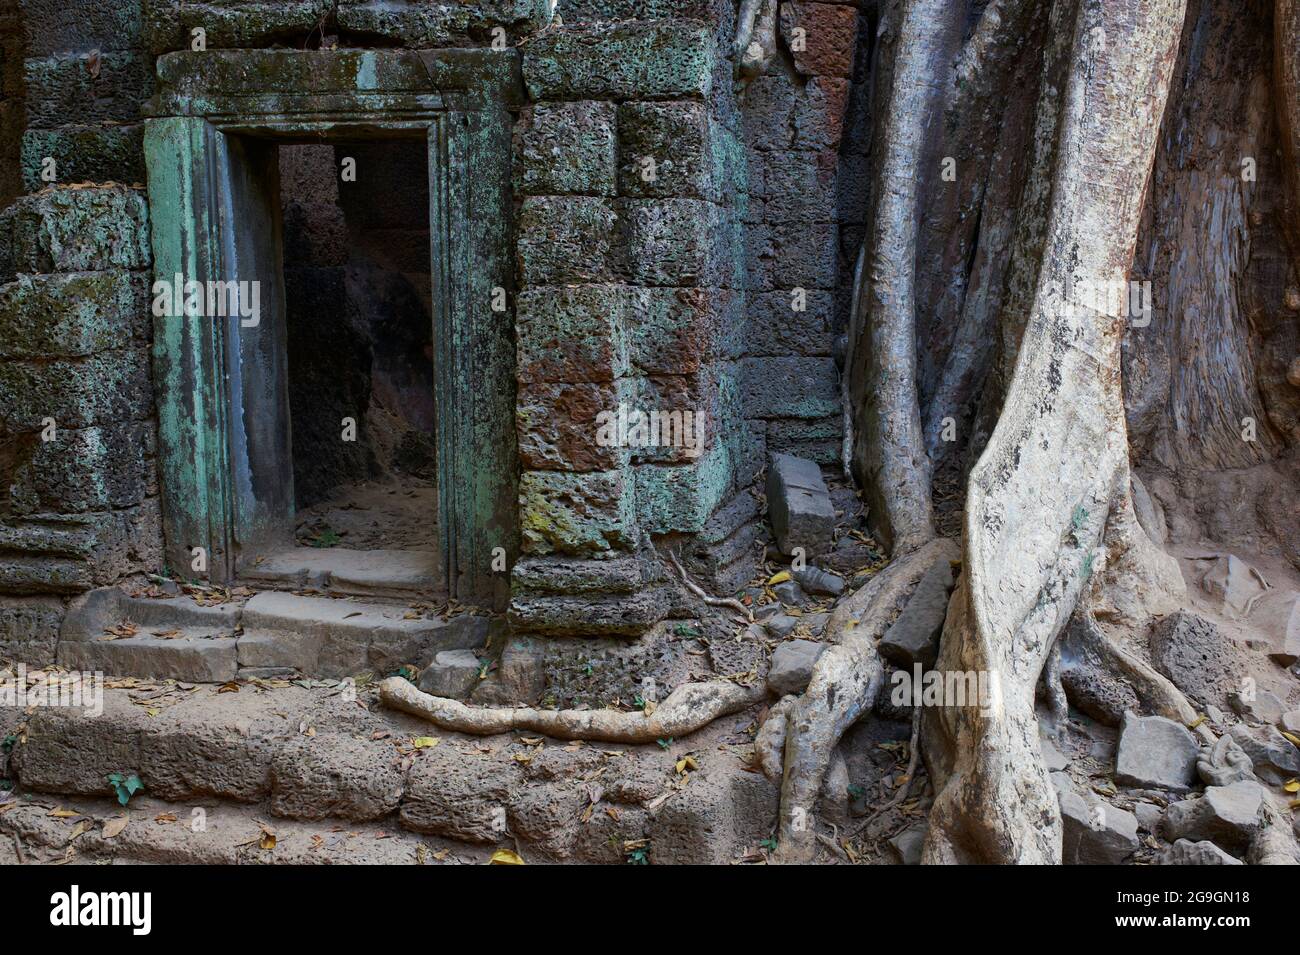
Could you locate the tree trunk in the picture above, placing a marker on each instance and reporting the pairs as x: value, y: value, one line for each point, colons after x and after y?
x: 1040, y: 493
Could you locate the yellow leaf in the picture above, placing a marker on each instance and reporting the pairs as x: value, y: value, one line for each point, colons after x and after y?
x: 113, y: 827
x: 426, y: 742
x: 778, y: 578
x: 64, y: 814
x: 1292, y: 786
x: 1292, y: 737
x: 505, y: 857
x: 686, y: 763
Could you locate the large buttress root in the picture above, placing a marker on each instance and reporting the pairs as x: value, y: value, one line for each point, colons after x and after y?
x: 1040, y: 493
x: 688, y: 708
x: 889, y: 456
x: 843, y: 687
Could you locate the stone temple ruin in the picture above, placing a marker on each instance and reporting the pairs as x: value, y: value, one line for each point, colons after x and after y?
x: 433, y: 419
x: 325, y: 300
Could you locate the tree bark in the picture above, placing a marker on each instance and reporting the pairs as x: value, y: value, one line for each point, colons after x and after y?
x: 1040, y: 493
x: 889, y: 458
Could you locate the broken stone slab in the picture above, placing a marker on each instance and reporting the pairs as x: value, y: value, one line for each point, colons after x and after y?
x: 1259, y: 706
x: 1053, y: 758
x: 188, y: 659
x: 1226, y: 815
x: 1291, y: 722
x: 914, y: 637
x: 1278, y: 617
x: 1155, y: 753
x: 1186, y: 852
x: 790, y: 594
x: 1195, y: 655
x: 520, y: 676
x: 792, y: 666
x: 1096, y: 833
x: 1148, y: 816
x: 799, y: 505
x: 452, y: 674
x: 1236, y: 583
x: 907, y: 845
x: 1274, y: 757
x: 814, y: 580
x: 779, y: 625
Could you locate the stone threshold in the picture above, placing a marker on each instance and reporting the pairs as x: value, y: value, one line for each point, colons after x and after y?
x: 274, y: 634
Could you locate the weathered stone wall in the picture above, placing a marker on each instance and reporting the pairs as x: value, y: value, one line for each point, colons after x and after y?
x: 78, y: 505
x: 670, y: 223
x: 635, y: 190
x: 84, y: 79
x: 807, y: 208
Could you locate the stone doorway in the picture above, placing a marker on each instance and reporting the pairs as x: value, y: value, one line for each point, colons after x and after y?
x: 252, y: 402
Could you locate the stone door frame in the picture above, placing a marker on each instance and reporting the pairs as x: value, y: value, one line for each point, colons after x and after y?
x: 224, y: 458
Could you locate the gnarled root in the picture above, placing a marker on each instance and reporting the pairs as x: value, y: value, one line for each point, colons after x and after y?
x: 1273, y: 844
x: 687, y: 709
x: 755, y: 41
x: 844, y: 685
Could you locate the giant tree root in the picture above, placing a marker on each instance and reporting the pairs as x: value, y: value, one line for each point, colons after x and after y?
x: 1040, y: 493
x: 688, y: 708
x: 844, y: 685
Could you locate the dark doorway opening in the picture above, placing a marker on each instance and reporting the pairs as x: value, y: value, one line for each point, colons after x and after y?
x: 359, y: 344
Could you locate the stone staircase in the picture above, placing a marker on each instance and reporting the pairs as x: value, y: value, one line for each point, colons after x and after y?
x: 339, y: 778
x: 268, y: 635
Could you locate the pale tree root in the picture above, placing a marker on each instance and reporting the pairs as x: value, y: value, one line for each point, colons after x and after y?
x: 730, y: 602
x: 1273, y: 844
x: 1087, y: 640
x: 843, y: 687
x: 688, y: 708
x: 1040, y: 493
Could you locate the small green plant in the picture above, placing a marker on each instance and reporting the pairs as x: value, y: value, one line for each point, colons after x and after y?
x: 1078, y: 517
x: 1087, y: 565
x: 685, y: 630
x: 8, y: 743
x: 125, y: 786
x: 639, y: 856
x: 326, y: 538
x: 665, y: 743
x: 768, y: 844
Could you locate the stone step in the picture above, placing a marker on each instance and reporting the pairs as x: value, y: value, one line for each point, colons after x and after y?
x: 188, y: 656
x: 175, y: 637
x: 364, y: 573
x: 160, y: 833
x: 272, y: 635
x: 325, y: 755
x: 331, y: 638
